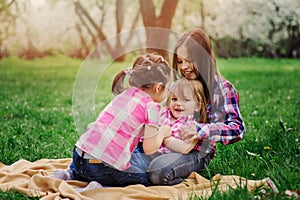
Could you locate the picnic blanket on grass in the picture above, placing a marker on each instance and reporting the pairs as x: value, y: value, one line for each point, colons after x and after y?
x: 32, y: 179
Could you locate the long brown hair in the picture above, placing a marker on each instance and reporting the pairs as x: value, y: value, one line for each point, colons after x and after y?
x: 201, y: 55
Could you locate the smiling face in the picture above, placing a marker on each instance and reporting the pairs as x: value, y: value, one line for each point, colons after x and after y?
x: 186, y: 68
x: 182, y: 104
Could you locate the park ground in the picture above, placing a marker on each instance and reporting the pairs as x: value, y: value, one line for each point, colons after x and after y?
x: 37, y: 119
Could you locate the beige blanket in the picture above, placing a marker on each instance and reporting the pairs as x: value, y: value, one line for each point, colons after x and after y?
x: 32, y: 178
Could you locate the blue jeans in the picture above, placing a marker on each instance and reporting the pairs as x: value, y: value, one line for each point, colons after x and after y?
x: 173, y: 168
x: 109, y: 176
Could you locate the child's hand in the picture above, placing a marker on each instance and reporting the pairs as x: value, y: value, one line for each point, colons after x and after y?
x: 189, y: 133
x: 193, y: 141
x: 166, y: 131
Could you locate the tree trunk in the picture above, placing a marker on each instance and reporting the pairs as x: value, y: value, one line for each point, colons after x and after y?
x: 158, y: 40
x: 202, y: 14
x: 7, y: 27
x: 119, y: 22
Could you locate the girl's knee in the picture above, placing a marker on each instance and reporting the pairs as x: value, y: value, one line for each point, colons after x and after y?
x: 155, y: 177
x: 163, y: 176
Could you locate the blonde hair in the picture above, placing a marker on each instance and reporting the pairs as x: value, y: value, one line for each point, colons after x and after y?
x: 197, y: 90
x: 147, y: 70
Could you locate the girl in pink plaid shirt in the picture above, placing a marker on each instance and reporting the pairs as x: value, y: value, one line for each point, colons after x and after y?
x: 103, y: 154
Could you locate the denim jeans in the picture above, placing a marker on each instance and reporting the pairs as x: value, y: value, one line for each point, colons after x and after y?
x: 173, y: 168
x: 109, y: 176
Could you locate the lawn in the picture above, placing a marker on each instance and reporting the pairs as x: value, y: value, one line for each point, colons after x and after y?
x: 37, y: 120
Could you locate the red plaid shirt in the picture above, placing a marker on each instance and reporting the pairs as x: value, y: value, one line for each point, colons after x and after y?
x: 225, y: 121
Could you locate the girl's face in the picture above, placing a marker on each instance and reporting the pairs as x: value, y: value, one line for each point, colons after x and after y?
x: 186, y: 68
x: 182, y: 105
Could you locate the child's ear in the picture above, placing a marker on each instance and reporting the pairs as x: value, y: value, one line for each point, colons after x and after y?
x: 157, y: 87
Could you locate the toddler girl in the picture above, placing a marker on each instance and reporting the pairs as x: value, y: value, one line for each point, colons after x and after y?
x: 186, y: 105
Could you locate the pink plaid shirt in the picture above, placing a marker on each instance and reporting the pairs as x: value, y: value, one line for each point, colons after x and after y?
x: 119, y: 127
x: 166, y: 119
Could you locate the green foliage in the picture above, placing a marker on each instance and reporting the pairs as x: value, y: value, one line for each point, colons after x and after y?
x: 37, y: 120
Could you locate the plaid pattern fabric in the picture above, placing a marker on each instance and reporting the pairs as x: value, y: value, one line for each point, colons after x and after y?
x: 226, y: 124
x: 119, y: 127
x: 166, y: 119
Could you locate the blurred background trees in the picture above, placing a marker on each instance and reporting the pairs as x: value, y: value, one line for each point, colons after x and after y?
x: 7, y: 24
x: 37, y: 28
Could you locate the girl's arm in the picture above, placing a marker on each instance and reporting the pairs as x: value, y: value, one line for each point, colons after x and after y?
x: 179, y: 145
x: 226, y: 125
x: 153, y: 138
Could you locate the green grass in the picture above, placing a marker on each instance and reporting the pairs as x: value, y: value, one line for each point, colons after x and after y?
x: 37, y: 120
